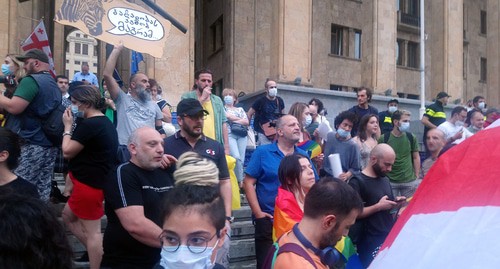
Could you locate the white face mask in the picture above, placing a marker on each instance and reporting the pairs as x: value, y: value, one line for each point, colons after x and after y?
x: 76, y: 112
x: 273, y: 92
x: 459, y: 123
x: 228, y: 100
x: 183, y: 258
x: 405, y: 126
x: 393, y: 109
x: 481, y: 105
x: 307, y: 120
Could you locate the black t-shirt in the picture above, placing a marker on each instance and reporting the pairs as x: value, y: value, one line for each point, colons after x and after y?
x: 21, y: 186
x: 208, y: 148
x: 132, y: 186
x: 93, y: 163
x: 360, y: 112
x: 371, y: 190
x: 266, y: 110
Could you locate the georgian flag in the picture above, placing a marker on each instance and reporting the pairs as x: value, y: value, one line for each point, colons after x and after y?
x: 38, y: 39
x: 453, y: 221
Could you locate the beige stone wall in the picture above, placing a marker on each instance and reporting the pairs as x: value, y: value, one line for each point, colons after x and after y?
x: 475, y: 49
x: 493, y: 50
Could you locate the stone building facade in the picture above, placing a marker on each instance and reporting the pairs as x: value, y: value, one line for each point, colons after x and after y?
x: 345, y: 44
x: 329, y: 44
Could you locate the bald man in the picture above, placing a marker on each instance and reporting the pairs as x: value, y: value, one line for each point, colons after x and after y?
x: 377, y: 219
x: 133, y: 196
x: 435, y: 140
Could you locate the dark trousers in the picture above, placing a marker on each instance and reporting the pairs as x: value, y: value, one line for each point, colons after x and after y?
x: 368, y: 248
x: 263, y: 239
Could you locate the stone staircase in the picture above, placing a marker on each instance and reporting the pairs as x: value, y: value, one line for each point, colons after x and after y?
x: 242, y: 251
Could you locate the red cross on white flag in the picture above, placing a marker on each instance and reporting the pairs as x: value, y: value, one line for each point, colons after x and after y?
x: 39, y: 40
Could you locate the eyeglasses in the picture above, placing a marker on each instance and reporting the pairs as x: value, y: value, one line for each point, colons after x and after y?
x: 196, y: 245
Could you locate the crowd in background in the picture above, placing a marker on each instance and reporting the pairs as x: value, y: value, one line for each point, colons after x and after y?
x: 167, y: 188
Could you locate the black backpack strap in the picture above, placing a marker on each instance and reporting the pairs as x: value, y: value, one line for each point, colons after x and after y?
x: 410, y: 137
x: 386, y: 137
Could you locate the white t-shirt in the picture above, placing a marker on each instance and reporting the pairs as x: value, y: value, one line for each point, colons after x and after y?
x: 132, y: 114
x: 449, y: 129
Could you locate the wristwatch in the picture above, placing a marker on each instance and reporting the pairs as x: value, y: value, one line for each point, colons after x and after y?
x: 230, y: 219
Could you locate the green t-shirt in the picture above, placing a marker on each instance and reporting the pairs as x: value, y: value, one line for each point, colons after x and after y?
x: 402, y: 170
x: 27, y: 89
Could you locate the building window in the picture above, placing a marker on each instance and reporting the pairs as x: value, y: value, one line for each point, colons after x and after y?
x: 85, y: 49
x: 357, y: 44
x: 217, y: 33
x: 484, y: 70
x: 77, y: 35
x: 334, y: 87
x: 77, y: 62
x: 95, y: 64
x: 483, y: 22
x: 412, y: 54
x: 337, y: 40
x: 410, y: 12
x: 85, y: 36
x: 78, y: 48
x: 399, y: 52
x: 66, y: 73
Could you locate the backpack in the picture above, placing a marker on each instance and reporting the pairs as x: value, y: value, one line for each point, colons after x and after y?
x: 408, y: 134
x: 288, y: 247
x: 53, y: 127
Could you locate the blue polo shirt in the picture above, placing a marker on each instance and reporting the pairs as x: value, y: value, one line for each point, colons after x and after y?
x: 263, y: 166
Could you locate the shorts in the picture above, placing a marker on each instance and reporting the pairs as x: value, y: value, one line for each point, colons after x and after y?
x: 86, y: 202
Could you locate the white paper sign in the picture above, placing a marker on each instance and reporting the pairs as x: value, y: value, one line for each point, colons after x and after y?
x: 335, y: 164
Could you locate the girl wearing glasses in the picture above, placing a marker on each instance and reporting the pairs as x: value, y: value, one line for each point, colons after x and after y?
x: 193, y: 216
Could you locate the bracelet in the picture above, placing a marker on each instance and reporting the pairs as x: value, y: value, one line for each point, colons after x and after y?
x: 66, y: 133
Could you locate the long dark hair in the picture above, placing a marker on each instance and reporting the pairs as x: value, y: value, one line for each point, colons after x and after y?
x: 289, y: 172
x: 362, y: 126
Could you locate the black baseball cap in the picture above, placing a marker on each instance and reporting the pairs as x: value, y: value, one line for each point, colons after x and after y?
x: 442, y: 94
x: 34, y: 54
x: 190, y: 107
x: 393, y: 101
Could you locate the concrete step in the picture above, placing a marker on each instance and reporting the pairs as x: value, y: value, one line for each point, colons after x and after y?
x: 242, y: 230
x: 242, y: 214
x: 250, y: 264
x: 242, y: 250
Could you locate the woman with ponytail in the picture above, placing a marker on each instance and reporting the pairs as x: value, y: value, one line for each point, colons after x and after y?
x: 193, y: 216
x: 91, y: 149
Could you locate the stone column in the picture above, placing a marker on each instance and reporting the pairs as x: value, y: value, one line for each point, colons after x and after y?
x: 384, y: 48
x: 493, y: 53
x: 292, y: 31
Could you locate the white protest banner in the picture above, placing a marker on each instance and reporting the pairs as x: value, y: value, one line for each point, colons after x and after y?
x: 115, y: 20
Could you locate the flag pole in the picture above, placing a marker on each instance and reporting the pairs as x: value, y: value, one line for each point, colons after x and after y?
x: 422, y: 59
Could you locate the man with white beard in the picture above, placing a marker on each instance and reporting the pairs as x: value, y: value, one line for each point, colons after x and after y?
x: 134, y: 110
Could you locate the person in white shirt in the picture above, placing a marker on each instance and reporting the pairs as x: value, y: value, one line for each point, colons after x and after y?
x: 453, y: 128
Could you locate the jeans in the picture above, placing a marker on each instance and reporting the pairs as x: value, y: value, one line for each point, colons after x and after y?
x: 406, y: 189
x: 237, y: 148
x: 263, y: 239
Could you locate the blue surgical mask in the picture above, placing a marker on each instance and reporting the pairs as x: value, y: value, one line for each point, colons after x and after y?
x: 228, y: 100
x: 183, y: 258
x: 76, y: 112
x: 307, y: 120
x: 343, y: 133
x: 393, y: 109
x: 405, y: 126
x: 6, y: 69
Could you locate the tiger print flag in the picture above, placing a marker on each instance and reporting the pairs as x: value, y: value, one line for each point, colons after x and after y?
x: 38, y: 39
x: 113, y: 21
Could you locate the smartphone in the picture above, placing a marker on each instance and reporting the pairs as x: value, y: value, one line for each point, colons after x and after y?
x: 400, y: 200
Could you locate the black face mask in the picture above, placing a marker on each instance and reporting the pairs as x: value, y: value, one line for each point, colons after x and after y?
x: 378, y: 170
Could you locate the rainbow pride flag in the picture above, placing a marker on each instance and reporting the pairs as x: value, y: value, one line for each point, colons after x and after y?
x: 287, y: 212
x: 311, y: 147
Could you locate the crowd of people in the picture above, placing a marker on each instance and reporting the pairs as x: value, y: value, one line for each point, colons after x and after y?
x: 167, y: 193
